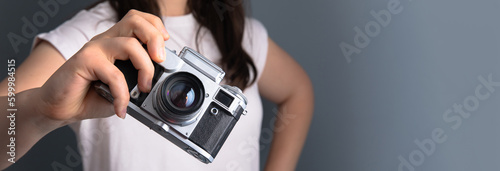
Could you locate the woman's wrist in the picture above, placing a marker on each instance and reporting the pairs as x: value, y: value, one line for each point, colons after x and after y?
x: 26, y: 125
x: 33, y: 113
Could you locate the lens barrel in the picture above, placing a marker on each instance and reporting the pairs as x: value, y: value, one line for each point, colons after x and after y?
x: 179, y: 97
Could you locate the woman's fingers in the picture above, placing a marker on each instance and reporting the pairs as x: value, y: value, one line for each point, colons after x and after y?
x: 98, y: 57
x: 113, y: 77
x: 148, y: 34
x: 127, y: 48
x: 156, y: 21
x: 120, y: 43
x: 146, y: 27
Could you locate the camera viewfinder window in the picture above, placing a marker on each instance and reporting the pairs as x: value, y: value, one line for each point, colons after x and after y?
x: 224, y: 98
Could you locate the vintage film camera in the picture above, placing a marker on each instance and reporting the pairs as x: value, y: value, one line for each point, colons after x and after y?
x: 186, y: 104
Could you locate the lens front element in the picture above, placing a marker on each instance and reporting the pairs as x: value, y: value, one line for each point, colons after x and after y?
x: 181, y: 94
x: 179, y: 98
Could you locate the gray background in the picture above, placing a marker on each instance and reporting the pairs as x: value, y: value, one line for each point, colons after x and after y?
x: 370, y: 111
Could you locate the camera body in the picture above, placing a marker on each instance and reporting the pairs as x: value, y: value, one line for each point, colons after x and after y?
x: 186, y: 104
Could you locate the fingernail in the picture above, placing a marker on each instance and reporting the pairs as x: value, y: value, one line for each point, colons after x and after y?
x: 149, y: 84
x: 162, y: 54
x: 124, y: 113
x: 165, y: 34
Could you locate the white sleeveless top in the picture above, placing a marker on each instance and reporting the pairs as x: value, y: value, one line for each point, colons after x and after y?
x: 115, y: 144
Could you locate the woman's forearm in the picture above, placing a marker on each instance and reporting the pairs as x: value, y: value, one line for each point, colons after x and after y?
x: 290, y: 131
x: 22, y: 126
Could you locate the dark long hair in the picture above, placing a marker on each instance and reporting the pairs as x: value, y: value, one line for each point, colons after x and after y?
x: 227, y: 31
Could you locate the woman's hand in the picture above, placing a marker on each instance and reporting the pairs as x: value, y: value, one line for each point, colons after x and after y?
x: 68, y: 95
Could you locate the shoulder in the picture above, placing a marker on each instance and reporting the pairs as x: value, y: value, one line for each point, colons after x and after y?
x: 254, y: 31
x: 254, y: 24
x: 255, y: 42
x: 70, y: 36
x: 96, y: 17
x: 93, y: 21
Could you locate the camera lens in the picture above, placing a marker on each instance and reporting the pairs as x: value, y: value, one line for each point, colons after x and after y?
x: 179, y: 97
x: 181, y: 94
